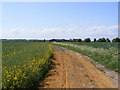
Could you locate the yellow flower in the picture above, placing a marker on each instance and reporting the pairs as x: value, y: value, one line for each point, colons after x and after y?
x: 11, y: 87
x: 15, y: 78
x: 8, y: 75
x: 8, y: 80
x: 33, y: 60
x: 24, y: 65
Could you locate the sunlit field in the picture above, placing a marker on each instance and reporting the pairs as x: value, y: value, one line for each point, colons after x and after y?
x: 24, y: 63
x: 105, y: 53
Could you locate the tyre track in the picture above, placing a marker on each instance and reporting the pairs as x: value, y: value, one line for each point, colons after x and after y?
x: 72, y: 70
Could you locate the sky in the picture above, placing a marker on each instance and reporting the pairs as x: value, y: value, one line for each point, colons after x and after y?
x: 48, y: 20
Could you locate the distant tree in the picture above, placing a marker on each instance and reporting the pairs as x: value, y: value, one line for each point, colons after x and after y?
x: 87, y: 40
x: 101, y: 40
x: 117, y: 39
x: 52, y: 40
x: 94, y: 39
x: 75, y: 40
x: 63, y: 40
x: 70, y: 40
x: 108, y: 40
x: 44, y: 40
x: 79, y: 40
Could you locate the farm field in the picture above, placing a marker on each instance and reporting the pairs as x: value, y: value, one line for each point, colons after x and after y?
x: 59, y: 45
x: 27, y: 64
x: 24, y: 63
x: 105, y: 53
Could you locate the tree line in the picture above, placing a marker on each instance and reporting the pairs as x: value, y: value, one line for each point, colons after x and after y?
x: 117, y: 39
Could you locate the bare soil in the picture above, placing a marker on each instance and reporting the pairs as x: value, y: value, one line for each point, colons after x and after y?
x: 71, y: 70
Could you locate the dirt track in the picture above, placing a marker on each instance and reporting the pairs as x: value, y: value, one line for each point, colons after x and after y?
x: 71, y: 70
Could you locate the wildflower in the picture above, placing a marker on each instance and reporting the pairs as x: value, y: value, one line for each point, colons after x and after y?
x: 33, y: 60
x: 8, y: 75
x: 15, y: 78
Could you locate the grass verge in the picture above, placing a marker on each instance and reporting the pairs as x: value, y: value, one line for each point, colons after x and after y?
x: 108, y: 57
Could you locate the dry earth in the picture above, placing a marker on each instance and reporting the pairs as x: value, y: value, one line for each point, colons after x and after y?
x: 71, y: 70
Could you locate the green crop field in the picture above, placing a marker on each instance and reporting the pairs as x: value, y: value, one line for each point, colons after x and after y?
x: 22, y: 61
x: 105, y: 53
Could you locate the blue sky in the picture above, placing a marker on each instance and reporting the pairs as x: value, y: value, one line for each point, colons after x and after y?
x: 48, y: 20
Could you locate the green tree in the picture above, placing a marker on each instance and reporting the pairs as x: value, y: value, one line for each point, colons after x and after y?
x: 94, y: 39
x: 101, y: 40
x: 108, y: 40
x: 79, y: 40
x: 87, y: 40
x: 75, y: 40
x: 117, y: 39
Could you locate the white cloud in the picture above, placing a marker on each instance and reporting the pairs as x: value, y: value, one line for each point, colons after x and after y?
x: 72, y: 31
